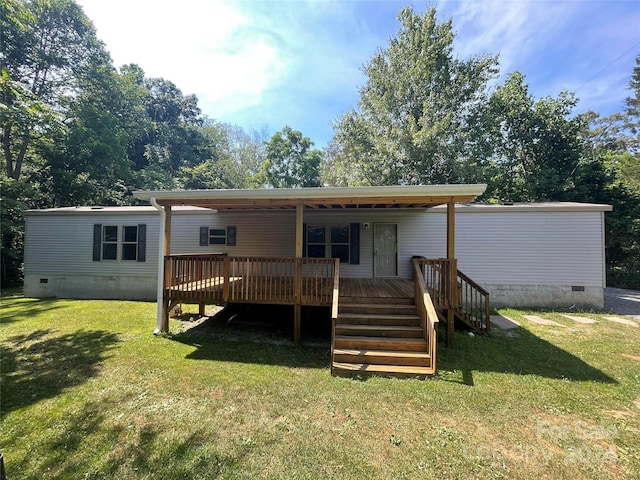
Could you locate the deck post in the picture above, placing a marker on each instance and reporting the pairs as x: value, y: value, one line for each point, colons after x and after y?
x: 166, y: 251
x: 226, y: 265
x: 298, y: 275
x: 453, y: 268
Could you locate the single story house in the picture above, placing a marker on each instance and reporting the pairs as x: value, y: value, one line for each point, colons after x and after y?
x: 297, y: 246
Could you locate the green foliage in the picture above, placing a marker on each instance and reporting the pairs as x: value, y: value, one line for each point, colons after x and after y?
x: 536, y: 147
x: 49, y: 44
x: 290, y: 161
x: 77, y: 131
x: 611, y: 174
x: 424, y: 117
x: 13, y: 200
x: 632, y: 108
x: 418, y: 110
x: 604, y: 181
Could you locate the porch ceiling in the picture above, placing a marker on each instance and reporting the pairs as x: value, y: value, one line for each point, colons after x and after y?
x: 423, y: 196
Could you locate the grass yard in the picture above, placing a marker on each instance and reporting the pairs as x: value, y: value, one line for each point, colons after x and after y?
x: 89, y: 393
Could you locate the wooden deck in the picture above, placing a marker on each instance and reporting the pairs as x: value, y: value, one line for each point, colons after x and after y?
x: 281, y: 290
x: 386, y: 288
x: 379, y: 326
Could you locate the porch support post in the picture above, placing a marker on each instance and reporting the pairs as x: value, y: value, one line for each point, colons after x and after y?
x: 162, y: 314
x: 298, y: 277
x: 451, y: 230
x: 166, y: 251
x: 451, y: 255
x: 299, y: 223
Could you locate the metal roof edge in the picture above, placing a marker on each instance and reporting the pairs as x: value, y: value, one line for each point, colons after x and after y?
x: 400, y: 191
x: 113, y: 210
x: 529, y: 207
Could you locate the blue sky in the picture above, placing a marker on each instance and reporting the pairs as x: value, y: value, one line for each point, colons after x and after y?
x: 274, y: 63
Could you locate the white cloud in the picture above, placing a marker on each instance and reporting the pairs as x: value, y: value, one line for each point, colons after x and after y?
x: 208, y: 48
x: 558, y: 45
x: 275, y: 63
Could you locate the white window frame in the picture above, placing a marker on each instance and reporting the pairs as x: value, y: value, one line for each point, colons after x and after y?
x: 119, y: 243
x: 348, y: 244
x: 123, y: 243
x: 104, y: 242
x: 328, y: 243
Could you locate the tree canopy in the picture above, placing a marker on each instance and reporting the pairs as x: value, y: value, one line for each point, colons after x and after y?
x: 290, y: 161
x: 418, y: 111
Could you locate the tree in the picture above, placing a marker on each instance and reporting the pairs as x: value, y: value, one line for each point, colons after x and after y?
x: 235, y: 158
x: 46, y: 44
x: 612, y: 175
x: 88, y: 162
x: 632, y: 108
x: 535, y: 145
x: 14, y: 199
x: 290, y: 161
x: 166, y: 130
x: 418, y: 113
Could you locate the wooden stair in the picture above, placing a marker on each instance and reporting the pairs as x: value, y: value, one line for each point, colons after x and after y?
x: 379, y: 336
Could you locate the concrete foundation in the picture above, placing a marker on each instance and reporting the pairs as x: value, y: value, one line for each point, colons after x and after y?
x: 90, y: 286
x: 560, y: 296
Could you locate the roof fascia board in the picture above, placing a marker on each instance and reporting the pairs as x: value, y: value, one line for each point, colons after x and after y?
x: 434, y: 194
x: 529, y: 207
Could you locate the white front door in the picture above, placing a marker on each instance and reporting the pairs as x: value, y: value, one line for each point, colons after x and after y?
x: 385, y: 250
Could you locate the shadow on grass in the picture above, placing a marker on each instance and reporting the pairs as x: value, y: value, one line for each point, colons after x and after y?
x: 15, y: 307
x: 261, y: 335
x: 518, y: 352
x: 91, y: 443
x: 41, y: 364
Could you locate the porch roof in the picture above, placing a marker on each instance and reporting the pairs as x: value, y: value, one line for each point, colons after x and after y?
x: 397, y: 196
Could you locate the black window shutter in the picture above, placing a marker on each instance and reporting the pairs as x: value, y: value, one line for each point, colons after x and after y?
x: 304, y: 239
x: 142, y: 242
x: 97, y: 241
x: 204, y: 236
x: 355, y: 244
x: 231, y: 236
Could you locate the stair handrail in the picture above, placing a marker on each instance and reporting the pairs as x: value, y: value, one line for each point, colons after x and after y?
x: 436, y: 273
x: 467, y: 299
x: 474, y: 302
x: 334, y: 306
x: 426, y: 311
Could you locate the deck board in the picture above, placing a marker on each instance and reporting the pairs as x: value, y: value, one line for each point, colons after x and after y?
x: 376, y: 288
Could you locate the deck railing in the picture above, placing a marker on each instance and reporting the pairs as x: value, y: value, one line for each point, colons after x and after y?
x: 334, y: 306
x: 456, y: 292
x: 439, y: 281
x: 426, y: 311
x: 248, y: 279
x: 474, y: 303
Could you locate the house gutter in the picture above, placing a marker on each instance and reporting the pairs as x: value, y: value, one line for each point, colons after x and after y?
x: 160, y: 293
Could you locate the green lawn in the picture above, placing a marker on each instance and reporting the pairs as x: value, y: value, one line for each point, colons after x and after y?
x: 89, y: 393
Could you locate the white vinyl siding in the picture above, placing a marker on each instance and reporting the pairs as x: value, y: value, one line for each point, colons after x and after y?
x: 563, y: 248
x: 63, y: 245
x: 494, y: 246
x: 269, y: 234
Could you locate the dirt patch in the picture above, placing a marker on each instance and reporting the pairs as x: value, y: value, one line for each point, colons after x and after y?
x: 620, y: 414
x: 632, y: 357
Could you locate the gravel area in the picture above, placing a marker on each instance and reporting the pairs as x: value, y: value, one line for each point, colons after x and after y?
x: 622, y: 302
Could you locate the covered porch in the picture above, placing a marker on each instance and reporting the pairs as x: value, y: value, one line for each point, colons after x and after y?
x: 298, y: 279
